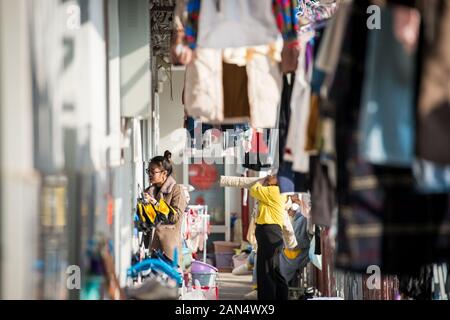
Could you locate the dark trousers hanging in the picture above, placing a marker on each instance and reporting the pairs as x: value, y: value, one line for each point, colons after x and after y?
x: 271, y: 283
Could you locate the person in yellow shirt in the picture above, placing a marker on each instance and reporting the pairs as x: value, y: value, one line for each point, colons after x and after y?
x: 269, y: 223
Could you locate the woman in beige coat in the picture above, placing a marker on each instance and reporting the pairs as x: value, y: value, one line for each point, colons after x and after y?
x: 166, y: 237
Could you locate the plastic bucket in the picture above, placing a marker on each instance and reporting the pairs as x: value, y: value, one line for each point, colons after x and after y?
x: 200, y: 267
x: 205, y: 279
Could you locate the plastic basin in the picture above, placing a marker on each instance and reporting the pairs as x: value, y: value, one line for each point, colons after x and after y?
x: 201, y: 267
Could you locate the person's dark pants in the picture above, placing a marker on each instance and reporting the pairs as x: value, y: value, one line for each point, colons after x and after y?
x: 271, y: 283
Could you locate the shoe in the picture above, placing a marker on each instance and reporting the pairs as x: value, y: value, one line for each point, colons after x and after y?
x: 242, y: 270
x: 252, y: 295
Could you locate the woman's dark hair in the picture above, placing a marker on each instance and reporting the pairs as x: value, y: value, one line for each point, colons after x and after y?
x: 163, y: 162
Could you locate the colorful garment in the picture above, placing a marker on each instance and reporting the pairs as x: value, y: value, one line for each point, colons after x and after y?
x: 193, y: 11
x: 286, y: 15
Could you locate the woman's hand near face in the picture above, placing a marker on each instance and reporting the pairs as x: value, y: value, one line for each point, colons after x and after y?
x: 149, y: 198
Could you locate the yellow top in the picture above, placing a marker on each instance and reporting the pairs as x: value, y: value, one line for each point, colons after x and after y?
x: 271, y: 204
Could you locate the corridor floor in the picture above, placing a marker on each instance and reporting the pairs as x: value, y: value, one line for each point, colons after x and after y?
x: 233, y: 287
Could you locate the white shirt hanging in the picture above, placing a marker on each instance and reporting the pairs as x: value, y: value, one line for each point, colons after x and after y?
x: 236, y: 23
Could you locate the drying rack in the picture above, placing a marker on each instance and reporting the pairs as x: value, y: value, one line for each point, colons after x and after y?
x: 203, y: 213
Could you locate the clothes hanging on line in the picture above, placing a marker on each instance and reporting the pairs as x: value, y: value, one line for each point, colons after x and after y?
x: 300, y: 108
x: 259, y: 157
x: 196, y: 229
x: 323, y: 196
x: 285, y: 113
x: 382, y: 218
x: 234, y: 23
x: 331, y: 46
x: 434, y: 94
x: 418, y: 286
x: 431, y: 177
x: 196, y: 131
x: 317, y: 10
x: 312, y: 144
x: 387, y: 118
x: 205, y: 87
x: 235, y: 92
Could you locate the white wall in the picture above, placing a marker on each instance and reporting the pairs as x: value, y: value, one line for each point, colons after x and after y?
x: 135, y: 58
x: 172, y: 119
x: 19, y: 182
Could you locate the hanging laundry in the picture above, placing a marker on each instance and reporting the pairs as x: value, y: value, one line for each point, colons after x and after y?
x: 387, y: 121
x: 285, y: 113
x: 323, y: 194
x: 257, y: 159
x: 212, y: 93
x: 300, y: 108
x: 317, y: 10
x: 236, y: 23
x: 382, y: 218
x: 196, y: 229
x: 209, y: 78
x: 232, y: 24
x: 432, y: 177
x: 235, y: 92
x: 434, y: 95
x: 312, y: 145
x: 331, y: 45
